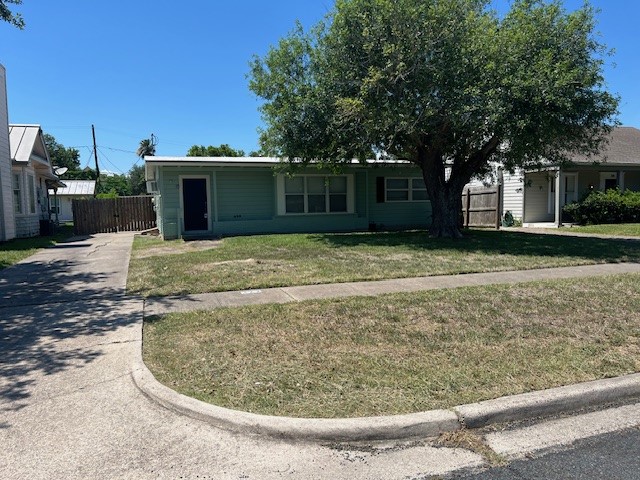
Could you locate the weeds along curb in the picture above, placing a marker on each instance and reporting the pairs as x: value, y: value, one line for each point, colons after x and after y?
x: 411, y: 426
x: 398, y: 427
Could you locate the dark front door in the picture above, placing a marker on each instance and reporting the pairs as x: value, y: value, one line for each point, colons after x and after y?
x: 194, y: 202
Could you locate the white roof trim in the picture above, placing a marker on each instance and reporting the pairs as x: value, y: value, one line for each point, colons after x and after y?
x: 246, y: 161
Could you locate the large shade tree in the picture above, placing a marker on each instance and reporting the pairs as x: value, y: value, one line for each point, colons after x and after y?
x: 7, y: 15
x: 445, y: 84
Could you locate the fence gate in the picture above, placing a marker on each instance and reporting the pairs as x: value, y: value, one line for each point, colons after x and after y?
x: 105, y: 215
x: 482, y: 207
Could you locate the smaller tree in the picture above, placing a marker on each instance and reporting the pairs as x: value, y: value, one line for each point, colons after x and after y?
x: 7, y: 15
x: 223, y: 150
x: 114, y: 184
x: 137, y: 185
x: 60, y: 155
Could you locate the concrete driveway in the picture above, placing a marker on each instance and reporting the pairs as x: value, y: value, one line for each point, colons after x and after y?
x: 69, y: 408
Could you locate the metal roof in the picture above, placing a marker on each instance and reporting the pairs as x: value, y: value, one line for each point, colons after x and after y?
x: 23, y: 142
x: 77, y: 187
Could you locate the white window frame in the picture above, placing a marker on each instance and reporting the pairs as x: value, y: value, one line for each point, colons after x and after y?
x: 16, y: 184
x: 409, y: 189
x: 31, y: 193
x: 282, y: 204
x: 604, y: 176
x: 574, y: 197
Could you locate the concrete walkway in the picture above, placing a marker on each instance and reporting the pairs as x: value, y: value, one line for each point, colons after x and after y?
x: 206, y: 301
x: 69, y: 343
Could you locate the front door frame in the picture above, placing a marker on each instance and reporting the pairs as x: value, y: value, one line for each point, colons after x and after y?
x: 207, y: 179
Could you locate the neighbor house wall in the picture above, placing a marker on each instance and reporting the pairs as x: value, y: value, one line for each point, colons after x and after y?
x: 513, y: 193
x: 536, y: 198
x: 7, y: 221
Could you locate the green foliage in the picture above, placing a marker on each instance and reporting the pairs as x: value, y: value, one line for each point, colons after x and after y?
x: 223, y: 150
x: 147, y: 147
x: 7, y: 15
x: 611, y: 206
x: 110, y: 194
x: 117, y: 185
x: 439, y: 83
x: 137, y: 184
x: 60, y: 155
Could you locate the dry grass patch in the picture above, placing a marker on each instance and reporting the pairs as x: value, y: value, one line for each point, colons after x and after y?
x: 400, y: 353
x: 241, y: 263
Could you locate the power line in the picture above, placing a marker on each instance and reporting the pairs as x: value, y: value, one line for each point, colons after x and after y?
x: 110, y: 162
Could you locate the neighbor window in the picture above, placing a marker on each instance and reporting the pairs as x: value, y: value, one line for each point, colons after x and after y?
x: 32, y: 194
x: 405, y: 190
x: 17, y: 194
x: 315, y: 194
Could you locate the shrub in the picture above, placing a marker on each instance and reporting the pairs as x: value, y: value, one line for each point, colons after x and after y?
x: 611, y: 206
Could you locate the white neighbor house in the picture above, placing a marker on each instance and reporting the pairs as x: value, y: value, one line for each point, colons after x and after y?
x: 62, y: 199
x: 7, y: 219
x: 537, y: 196
x: 25, y: 175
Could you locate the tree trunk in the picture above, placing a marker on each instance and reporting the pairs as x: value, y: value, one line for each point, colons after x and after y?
x: 446, y: 200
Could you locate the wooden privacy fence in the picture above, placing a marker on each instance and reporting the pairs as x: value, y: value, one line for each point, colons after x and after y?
x: 482, y: 207
x: 104, y: 215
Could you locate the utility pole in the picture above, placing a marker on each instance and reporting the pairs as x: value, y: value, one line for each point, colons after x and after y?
x: 95, y: 155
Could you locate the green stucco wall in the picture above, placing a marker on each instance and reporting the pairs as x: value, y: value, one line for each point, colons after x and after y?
x: 243, y: 200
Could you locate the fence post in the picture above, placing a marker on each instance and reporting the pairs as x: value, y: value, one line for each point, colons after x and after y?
x: 467, y: 214
x: 499, y: 206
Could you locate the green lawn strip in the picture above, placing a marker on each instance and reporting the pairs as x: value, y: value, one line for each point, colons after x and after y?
x: 239, y: 263
x: 623, y: 230
x: 400, y: 353
x: 13, y: 251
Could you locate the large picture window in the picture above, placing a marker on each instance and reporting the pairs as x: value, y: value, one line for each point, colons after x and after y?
x: 405, y: 190
x: 312, y: 194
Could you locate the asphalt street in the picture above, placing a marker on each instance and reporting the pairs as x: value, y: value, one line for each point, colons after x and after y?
x: 615, y: 456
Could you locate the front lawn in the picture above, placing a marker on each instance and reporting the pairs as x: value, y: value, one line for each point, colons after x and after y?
x: 620, y: 229
x: 13, y: 251
x: 261, y: 261
x: 400, y: 353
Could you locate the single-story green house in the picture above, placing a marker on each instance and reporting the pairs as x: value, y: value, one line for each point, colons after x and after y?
x: 204, y: 196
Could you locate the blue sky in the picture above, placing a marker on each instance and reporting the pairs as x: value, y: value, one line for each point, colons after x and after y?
x: 178, y: 69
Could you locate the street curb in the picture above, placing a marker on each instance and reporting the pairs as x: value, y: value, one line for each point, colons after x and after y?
x: 397, y: 427
x: 411, y: 426
x: 549, y: 402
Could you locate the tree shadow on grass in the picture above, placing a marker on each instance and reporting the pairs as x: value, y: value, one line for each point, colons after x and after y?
x: 493, y: 242
x: 52, y: 319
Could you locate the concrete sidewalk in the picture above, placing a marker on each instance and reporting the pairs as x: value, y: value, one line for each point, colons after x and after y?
x: 207, y: 301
